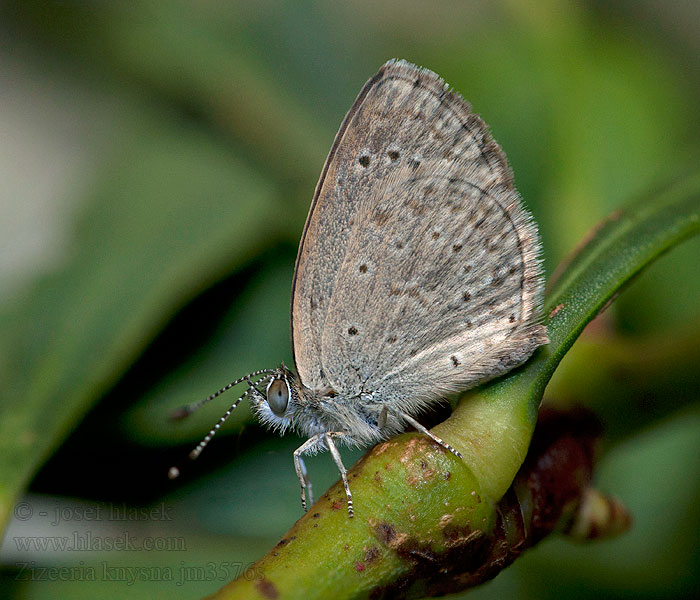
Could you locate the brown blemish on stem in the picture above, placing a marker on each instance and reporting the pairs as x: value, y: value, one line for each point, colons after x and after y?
x: 418, y: 468
x: 371, y: 554
x: 555, y: 310
x: 267, y: 589
x: 446, y: 520
x: 384, y: 532
x: 409, y: 451
x: 381, y: 448
x: 436, y: 570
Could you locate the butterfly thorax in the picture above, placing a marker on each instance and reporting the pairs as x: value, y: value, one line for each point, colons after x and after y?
x: 318, y: 410
x: 325, y: 410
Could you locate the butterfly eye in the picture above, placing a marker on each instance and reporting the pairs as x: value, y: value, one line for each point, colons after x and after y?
x: 278, y: 396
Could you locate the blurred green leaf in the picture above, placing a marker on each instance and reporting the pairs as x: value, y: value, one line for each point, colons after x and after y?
x: 173, y: 213
x: 199, y: 57
x: 629, y: 382
x: 621, y: 246
x: 241, y: 345
x: 572, y: 104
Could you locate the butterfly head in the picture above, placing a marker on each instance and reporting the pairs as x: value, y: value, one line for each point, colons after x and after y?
x: 278, y: 402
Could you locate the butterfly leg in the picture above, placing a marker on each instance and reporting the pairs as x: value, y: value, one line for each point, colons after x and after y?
x: 381, y: 420
x: 300, y: 467
x: 411, y: 421
x: 307, y: 481
x: 340, y: 465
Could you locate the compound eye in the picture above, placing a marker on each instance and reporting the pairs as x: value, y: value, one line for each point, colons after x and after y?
x: 278, y: 396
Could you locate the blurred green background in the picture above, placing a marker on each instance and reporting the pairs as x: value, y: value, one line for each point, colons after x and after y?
x: 157, y: 163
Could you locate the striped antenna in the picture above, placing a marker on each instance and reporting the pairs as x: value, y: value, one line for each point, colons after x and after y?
x: 186, y: 411
x: 262, y: 376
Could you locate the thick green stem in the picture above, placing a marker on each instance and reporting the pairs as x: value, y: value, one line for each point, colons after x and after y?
x: 493, y: 434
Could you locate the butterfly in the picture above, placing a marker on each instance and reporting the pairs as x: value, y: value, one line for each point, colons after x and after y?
x: 418, y: 275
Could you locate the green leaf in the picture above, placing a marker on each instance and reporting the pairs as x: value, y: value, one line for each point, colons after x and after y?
x: 401, y: 501
x: 238, y: 346
x: 174, y: 212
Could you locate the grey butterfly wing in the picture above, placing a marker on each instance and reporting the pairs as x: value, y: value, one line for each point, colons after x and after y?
x: 426, y: 276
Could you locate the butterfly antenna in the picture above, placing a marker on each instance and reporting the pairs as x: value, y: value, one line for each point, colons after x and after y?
x: 186, y: 411
x: 174, y: 472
